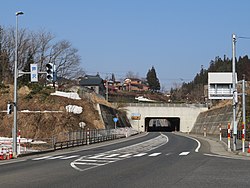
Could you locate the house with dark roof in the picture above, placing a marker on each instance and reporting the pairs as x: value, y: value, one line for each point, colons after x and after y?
x: 94, y: 83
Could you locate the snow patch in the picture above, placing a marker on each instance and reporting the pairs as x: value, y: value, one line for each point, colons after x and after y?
x: 73, y: 108
x: 71, y: 95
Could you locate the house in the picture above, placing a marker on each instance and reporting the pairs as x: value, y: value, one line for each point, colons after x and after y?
x: 134, y: 84
x: 94, y: 83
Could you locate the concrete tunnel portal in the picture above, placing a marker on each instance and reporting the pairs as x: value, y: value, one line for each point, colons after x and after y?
x: 162, y: 124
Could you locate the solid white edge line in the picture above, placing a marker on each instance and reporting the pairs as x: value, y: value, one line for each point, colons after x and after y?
x: 199, y: 144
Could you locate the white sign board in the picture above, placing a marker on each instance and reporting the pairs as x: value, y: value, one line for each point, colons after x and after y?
x: 220, y: 85
x: 33, y: 73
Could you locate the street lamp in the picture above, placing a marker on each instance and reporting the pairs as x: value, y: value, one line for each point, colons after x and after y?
x: 14, y: 134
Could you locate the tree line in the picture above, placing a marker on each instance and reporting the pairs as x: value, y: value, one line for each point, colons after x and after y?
x: 194, y: 90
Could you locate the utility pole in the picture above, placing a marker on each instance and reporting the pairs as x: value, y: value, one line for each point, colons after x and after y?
x: 235, y: 97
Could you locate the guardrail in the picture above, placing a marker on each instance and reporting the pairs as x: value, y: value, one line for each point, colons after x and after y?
x: 86, y: 137
x: 165, y: 105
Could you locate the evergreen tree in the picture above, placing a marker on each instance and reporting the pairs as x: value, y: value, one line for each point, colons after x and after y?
x: 152, y: 80
x: 113, y: 77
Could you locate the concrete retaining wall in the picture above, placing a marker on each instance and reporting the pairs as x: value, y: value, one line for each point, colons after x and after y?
x: 212, y: 119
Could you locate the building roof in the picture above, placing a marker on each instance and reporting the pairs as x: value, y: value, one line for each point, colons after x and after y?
x: 90, y: 80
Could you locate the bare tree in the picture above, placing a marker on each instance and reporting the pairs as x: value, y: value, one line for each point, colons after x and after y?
x: 41, y: 47
x: 131, y: 74
x: 66, y: 59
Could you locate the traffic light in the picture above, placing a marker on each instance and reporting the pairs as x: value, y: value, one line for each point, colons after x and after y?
x: 50, y: 69
x: 9, y: 108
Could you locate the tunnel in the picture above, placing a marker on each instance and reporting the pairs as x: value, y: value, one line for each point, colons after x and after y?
x: 166, y: 124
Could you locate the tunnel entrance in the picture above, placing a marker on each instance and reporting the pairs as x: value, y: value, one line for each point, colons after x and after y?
x: 156, y: 124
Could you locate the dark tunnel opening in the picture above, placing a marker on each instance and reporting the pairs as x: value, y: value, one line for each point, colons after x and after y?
x: 156, y: 124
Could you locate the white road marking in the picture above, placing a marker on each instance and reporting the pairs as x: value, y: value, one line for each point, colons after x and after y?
x: 40, y: 158
x: 154, y: 154
x: 140, y: 154
x: 88, y: 160
x: 112, y: 155
x: 125, y: 155
x: 198, y: 142
x: 199, y: 145
x: 97, y: 156
x: 56, y: 157
x: 70, y: 157
x: 92, y: 164
x: 106, y: 158
x: 184, y: 153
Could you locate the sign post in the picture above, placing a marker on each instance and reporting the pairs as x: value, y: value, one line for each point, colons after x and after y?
x: 115, y: 119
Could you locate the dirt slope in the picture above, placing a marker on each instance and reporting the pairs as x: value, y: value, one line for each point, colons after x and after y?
x: 45, y: 125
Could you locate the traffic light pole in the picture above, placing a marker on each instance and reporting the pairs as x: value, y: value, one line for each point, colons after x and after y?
x: 14, y: 134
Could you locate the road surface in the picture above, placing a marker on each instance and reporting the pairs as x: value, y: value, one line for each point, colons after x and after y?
x: 155, y: 160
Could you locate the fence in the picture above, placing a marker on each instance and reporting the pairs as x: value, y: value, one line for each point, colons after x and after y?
x: 85, y: 137
x: 66, y: 140
x: 238, y: 136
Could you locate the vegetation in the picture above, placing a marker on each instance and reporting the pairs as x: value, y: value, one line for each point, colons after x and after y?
x: 194, y: 90
x: 40, y: 48
x: 152, y: 80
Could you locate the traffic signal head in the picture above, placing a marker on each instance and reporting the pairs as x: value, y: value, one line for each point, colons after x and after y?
x: 49, y: 70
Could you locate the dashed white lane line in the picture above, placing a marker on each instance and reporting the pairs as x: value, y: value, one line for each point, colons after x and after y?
x: 154, y: 154
x: 184, y: 153
x: 140, y: 154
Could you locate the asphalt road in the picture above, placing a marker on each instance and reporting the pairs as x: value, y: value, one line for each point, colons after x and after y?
x: 154, y: 160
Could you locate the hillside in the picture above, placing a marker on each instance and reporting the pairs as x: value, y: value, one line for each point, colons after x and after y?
x: 35, y: 123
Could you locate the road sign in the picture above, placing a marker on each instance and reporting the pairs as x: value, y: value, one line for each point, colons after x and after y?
x: 220, y: 85
x: 115, y: 119
x: 135, y: 116
x: 33, y: 73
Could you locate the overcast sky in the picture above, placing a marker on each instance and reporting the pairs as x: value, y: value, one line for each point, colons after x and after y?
x: 118, y: 36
